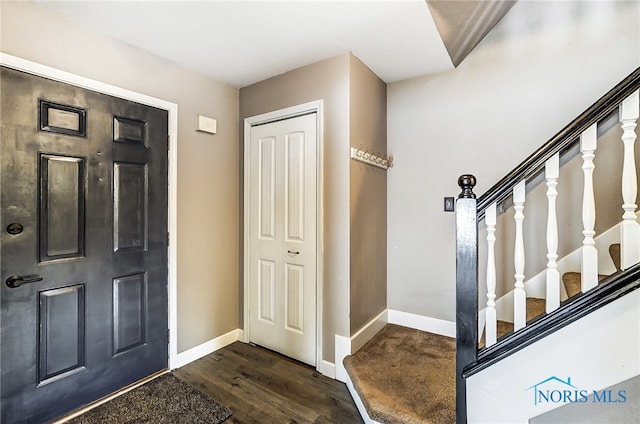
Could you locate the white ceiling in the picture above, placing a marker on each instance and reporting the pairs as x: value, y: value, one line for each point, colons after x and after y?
x: 243, y: 42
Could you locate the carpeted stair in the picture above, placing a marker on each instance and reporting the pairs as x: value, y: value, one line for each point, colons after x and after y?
x: 404, y: 375
x: 573, y: 285
x: 572, y: 281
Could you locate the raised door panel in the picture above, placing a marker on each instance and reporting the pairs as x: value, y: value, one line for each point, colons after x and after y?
x: 62, y: 207
x: 62, y: 119
x: 129, y: 312
x: 294, y: 298
x: 267, y: 290
x: 267, y: 188
x: 295, y: 185
x: 126, y: 130
x: 61, y: 340
x: 130, y: 186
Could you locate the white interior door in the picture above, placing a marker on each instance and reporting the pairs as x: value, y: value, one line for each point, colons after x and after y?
x: 282, y: 236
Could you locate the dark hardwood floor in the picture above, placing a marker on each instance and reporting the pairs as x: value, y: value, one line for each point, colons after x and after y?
x: 261, y: 386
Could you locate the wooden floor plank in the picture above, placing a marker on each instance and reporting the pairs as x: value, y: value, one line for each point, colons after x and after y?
x: 264, y: 395
x: 261, y: 386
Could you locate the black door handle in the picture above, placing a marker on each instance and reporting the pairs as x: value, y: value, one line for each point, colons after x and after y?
x: 16, y: 281
x: 292, y: 253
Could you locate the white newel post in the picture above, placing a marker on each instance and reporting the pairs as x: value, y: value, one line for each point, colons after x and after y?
x: 519, y: 295
x: 552, y: 173
x: 588, y: 143
x: 491, y: 326
x: 630, y: 229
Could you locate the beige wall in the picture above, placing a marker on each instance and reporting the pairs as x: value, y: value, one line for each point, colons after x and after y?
x: 542, y: 65
x: 368, y: 196
x: 208, y: 187
x: 327, y: 80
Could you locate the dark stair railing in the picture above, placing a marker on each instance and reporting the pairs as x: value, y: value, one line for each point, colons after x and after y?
x: 470, y: 210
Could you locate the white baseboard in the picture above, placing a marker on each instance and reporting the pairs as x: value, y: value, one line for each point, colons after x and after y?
x: 367, y: 332
x: 419, y: 322
x: 345, y: 346
x: 359, y: 404
x: 343, y: 349
x: 206, y: 348
x: 328, y: 369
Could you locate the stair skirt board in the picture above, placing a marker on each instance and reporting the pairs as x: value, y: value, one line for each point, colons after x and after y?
x: 345, y: 346
x: 593, y: 412
x: 356, y: 398
x: 597, y: 351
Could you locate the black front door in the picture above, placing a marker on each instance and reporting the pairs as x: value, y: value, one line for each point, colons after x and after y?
x: 83, y: 284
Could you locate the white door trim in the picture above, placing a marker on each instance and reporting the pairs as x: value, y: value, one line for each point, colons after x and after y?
x: 290, y: 112
x: 172, y: 108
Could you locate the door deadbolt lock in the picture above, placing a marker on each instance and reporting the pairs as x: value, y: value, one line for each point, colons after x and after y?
x: 15, y: 228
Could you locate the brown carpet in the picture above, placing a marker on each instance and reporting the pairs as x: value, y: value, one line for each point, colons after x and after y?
x: 406, y: 376
x: 163, y: 400
x: 535, y: 308
x: 573, y: 280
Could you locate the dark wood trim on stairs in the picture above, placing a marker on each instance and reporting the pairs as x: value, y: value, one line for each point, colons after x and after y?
x: 469, y: 211
x: 560, y: 142
x: 466, y: 288
x: 609, y: 289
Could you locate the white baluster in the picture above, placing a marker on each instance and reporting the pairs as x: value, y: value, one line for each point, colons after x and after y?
x: 630, y: 229
x: 519, y: 295
x: 552, y: 173
x: 588, y: 144
x: 491, y: 326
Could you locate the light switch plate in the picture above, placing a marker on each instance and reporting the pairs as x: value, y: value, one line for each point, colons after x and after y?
x: 449, y: 204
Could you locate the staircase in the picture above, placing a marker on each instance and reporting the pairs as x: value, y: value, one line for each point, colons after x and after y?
x: 408, y: 376
x: 535, y: 307
x: 561, y: 298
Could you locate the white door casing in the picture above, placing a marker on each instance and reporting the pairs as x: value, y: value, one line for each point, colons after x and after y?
x: 282, y: 192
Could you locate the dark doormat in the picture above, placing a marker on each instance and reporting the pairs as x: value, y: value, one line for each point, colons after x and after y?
x: 165, y: 399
